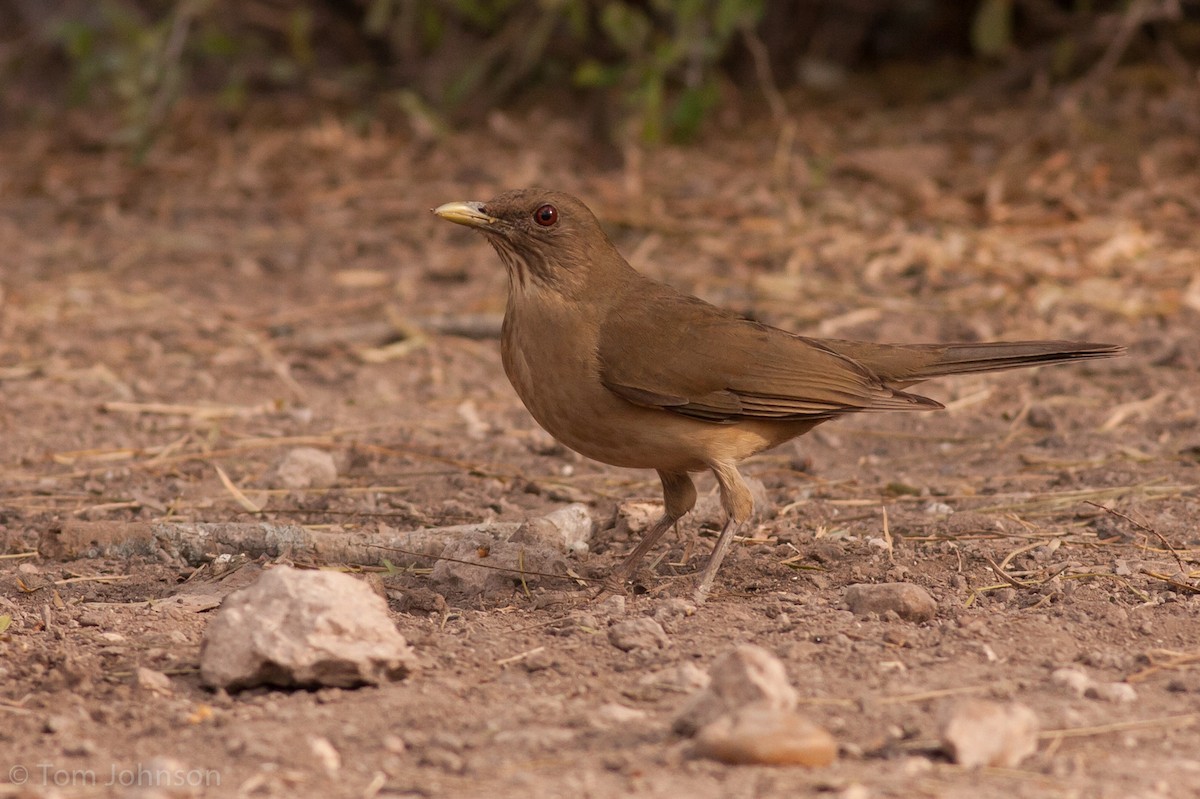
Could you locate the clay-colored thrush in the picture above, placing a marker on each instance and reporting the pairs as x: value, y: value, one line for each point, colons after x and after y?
x: 633, y: 373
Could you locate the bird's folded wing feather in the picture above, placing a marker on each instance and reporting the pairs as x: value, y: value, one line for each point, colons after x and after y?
x: 697, y: 360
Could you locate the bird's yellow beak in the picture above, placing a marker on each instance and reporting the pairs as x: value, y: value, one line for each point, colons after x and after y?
x: 469, y: 214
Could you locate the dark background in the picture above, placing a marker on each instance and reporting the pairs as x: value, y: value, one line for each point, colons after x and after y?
x: 648, y: 69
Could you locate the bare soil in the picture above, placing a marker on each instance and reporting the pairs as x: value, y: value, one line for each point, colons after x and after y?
x: 248, y: 290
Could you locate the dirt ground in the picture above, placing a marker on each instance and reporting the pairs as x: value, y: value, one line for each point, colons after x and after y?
x: 281, y: 283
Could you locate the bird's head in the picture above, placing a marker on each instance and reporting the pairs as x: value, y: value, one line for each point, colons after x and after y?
x: 547, y: 239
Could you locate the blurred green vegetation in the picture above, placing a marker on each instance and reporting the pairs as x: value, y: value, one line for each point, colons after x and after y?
x: 648, y: 68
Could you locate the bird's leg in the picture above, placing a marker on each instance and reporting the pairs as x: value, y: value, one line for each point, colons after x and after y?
x: 689, y: 546
x: 679, y: 496
x: 738, y: 505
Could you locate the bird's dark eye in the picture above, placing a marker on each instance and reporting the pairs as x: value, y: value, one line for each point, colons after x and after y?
x: 546, y: 216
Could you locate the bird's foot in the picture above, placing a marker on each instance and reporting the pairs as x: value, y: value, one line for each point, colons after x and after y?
x: 612, y: 585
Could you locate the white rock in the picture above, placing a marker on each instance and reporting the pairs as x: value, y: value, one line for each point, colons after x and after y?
x: 477, y: 429
x: 1076, y: 680
x: 306, y: 467
x: 684, y: 678
x: 985, y: 733
x: 1112, y: 691
x: 749, y: 675
x: 325, y: 754
x: 671, y: 610
x: 612, y: 605
x: 640, y: 633
x: 152, y: 681
x: 304, y: 629
x: 565, y: 529
x: 632, y: 519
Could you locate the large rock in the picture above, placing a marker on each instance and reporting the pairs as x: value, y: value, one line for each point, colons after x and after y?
x: 980, y: 732
x: 906, y: 600
x: 297, y: 628
x: 747, y: 676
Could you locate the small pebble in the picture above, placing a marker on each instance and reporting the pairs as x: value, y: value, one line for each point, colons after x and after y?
x: 325, y: 754
x: 640, y: 633
x: 1119, y: 692
x: 152, y: 681
x: 671, y: 610
x: 684, y: 678
x: 611, y: 605
x: 1041, y: 417
x: 1075, y: 680
x: 306, y: 467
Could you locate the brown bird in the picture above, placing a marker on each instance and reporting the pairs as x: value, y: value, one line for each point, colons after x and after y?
x: 631, y: 372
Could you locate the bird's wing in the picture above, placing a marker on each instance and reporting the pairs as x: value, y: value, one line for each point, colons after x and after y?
x: 683, y: 355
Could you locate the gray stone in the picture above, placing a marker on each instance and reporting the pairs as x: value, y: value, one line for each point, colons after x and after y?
x: 749, y: 675
x: 631, y: 519
x: 567, y: 529
x: 684, y: 678
x: 640, y: 633
x: 303, y: 629
x: 306, y: 467
x: 980, y: 732
x: 151, y: 681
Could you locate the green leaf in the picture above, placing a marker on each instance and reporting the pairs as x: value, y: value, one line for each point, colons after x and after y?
x: 992, y: 28
x: 691, y: 108
x: 626, y: 27
x: 592, y: 74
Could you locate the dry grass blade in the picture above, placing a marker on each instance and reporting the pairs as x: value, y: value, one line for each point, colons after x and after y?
x: 1003, y: 575
x: 1185, y: 587
x: 1183, y: 720
x: 1145, y: 529
x: 202, y: 412
x: 517, y: 658
x: 1141, y: 595
x: 236, y: 492
x: 1058, y: 501
x: 98, y: 578
x: 1171, y: 660
x: 922, y: 696
x: 1135, y: 408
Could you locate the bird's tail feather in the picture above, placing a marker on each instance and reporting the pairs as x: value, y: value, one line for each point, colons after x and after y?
x: 897, y: 365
